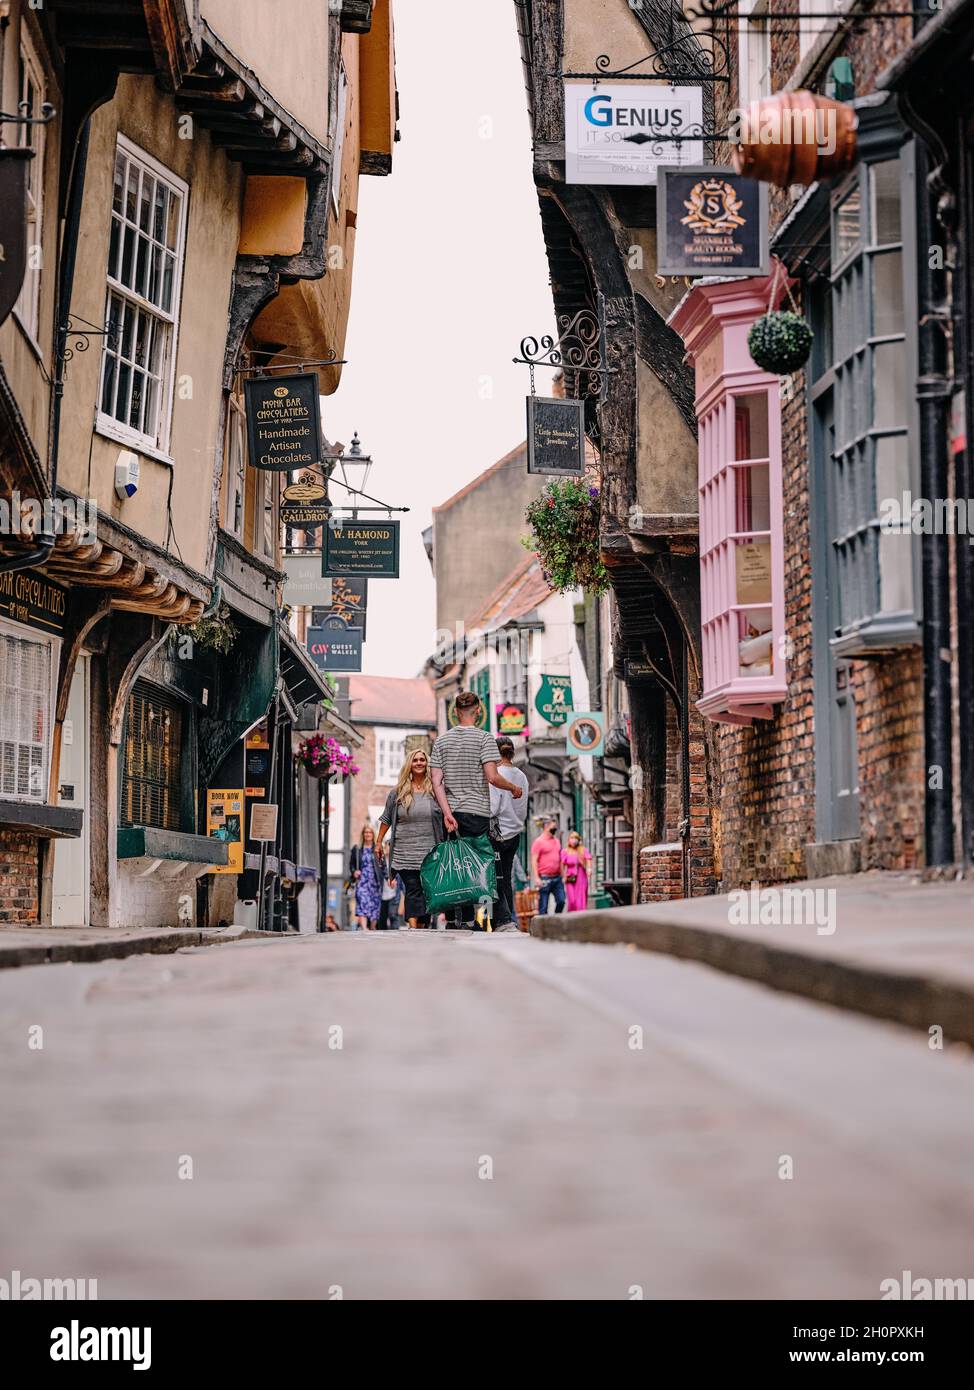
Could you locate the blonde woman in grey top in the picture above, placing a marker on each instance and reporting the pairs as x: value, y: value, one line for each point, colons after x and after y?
x: 415, y: 824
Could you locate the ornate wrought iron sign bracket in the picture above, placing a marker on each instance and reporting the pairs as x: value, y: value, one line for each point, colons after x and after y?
x: 579, y: 350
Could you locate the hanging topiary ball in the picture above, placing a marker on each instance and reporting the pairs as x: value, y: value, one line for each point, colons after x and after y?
x: 780, y: 342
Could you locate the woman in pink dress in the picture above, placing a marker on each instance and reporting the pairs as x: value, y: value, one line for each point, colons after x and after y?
x: 575, y: 862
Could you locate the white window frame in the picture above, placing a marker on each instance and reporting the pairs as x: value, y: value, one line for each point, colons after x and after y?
x: 53, y: 644
x: 385, y: 739
x: 235, y: 462
x: 754, y: 52
x: 810, y: 29
x: 27, y: 307
x: 155, y: 445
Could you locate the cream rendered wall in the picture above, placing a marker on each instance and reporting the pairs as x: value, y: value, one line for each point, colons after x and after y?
x: 148, y: 118
x: 285, y: 42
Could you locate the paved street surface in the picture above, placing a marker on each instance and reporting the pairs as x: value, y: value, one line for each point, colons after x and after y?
x: 485, y: 1130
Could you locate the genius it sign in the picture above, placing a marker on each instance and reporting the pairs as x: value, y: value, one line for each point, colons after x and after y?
x: 620, y: 132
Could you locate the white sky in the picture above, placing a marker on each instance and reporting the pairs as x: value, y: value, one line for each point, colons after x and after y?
x: 449, y: 275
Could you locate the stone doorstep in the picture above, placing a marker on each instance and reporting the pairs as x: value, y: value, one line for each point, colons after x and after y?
x: 882, y: 968
x: 58, y: 945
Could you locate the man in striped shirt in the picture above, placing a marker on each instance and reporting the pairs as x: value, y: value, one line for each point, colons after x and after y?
x: 464, y: 765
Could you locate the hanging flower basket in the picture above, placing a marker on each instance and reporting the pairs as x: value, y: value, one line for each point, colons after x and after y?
x: 325, y: 757
x: 780, y: 342
x: 564, y: 521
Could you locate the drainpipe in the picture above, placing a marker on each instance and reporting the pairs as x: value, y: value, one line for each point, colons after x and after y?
x: 933, y: 395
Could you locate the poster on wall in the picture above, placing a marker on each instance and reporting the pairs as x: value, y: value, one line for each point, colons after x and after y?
x: 556, y: 436
x: 283, y: 422
x: 224, y: 822
x: 612, y: 131
x: 711, y: 221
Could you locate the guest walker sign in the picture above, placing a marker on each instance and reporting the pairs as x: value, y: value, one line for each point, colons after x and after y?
x: 612, y: 133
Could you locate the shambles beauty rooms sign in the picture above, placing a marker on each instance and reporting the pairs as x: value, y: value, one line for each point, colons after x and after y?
x: 621, y: 132
x: 366, y: 548
x: 283, y: 422
x: 556, y: 436
x: 711, y: 222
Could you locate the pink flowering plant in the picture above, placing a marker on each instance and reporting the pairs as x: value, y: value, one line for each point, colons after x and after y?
x: 564, y: 521
x: 325, y: 757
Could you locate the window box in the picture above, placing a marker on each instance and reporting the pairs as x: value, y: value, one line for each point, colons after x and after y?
x: 741, y: 525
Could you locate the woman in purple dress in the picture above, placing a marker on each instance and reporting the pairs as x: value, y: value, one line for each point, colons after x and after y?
x: 364, y: 865
x: 575, y: 864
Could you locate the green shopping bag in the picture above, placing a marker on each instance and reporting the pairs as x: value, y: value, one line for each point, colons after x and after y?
x: 458, y: 871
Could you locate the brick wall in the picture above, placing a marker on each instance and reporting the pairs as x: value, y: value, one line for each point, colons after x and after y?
x: 19, y: 877
x: 660, y: 873
x: 889, y: 727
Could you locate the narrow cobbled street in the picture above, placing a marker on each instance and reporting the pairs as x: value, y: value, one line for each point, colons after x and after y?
x: 439, y: 1115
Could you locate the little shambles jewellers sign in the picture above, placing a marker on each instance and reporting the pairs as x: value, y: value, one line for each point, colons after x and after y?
x: 283, y: 422
x: 556, y: 436
x: 711, y: 221
x: 369, y: 549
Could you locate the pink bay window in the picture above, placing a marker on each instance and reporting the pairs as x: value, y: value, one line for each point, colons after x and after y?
x: 742, y: 605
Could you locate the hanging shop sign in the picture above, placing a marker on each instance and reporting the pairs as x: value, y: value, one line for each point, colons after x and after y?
x: 263, y: 823
x: 349, y: 600
x: 14, y: 166
x: 612, y: 132
x: 585, y: 733
x: 224, y: 822
x: 556, y: 436
x: 554, y: 698
x: 34, y: 600
x: 512, y: 718
x: 334, y: 646
x: 305, y: 586
x: 638, y: 669
x: 369, y: 549
x: 305, y: 503
x: 283, y: 422
x: 711, y: 221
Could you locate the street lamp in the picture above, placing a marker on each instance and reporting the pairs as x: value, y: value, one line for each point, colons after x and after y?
x: 355, y: 466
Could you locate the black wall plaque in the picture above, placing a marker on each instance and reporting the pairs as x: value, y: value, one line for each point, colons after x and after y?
x: 369, y: 549
x: 31, y: 598
x: 556, y: 436
x: 283, y: 422
x: 711, y: 221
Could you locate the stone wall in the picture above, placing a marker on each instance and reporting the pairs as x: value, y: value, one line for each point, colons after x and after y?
x: 19, y: 877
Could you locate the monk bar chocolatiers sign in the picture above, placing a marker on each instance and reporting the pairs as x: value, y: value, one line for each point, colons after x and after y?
x: 711, y: 221
x: 33, y: 599
x: 556, y: 436
x: 369, y: 549
x: 283, y: 422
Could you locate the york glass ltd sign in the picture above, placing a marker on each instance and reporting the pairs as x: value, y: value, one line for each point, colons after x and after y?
x: 620, y: 132
x: 283, y: 422
x: 711, y: 221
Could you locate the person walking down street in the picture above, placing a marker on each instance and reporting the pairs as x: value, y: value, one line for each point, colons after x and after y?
x: 366, y: 875
x: 546, y: 868
x: 510, y: 816
x: 415, y: 824
x: 575, y: 862
x: 464, y: 767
